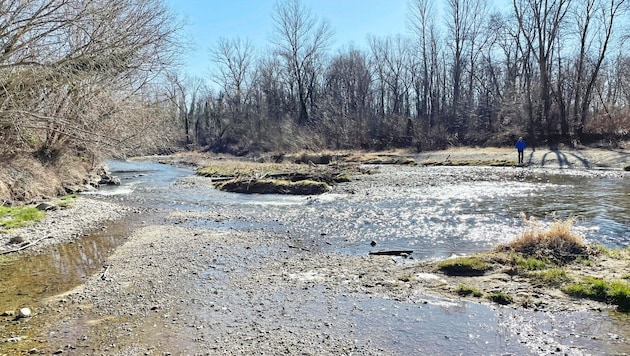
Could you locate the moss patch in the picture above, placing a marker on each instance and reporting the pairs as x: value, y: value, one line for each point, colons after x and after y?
x: 464, y: 291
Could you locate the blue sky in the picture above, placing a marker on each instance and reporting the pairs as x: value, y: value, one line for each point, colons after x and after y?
x: 352, y: 21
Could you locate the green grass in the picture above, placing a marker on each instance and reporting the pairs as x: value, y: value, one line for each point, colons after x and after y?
x: 615, y: 292
x: 464, y: 290
x: 530, y: 263
x: 553, y: 276
x: 19, y: 216
x: 501, y: 298
x: 66, y: 200
x: 464, y: 266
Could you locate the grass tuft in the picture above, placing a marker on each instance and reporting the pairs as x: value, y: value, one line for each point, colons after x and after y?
x: 553, y: 276
x: 557, y: 243
x: 530, y: 263
x: 615, y: 292
x: 19, y: 216
x: 464, y: 266
x: 464, y: 290
x: 501, y: 298
x: 67, y: 200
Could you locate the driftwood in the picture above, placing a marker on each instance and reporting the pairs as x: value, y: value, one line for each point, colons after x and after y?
x: 25, y: 246
x: 392, y: 252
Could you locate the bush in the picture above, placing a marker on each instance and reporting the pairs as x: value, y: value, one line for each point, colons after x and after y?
x: 557, y: 243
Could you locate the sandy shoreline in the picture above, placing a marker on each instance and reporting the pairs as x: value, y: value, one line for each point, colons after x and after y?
x: 589, y: 158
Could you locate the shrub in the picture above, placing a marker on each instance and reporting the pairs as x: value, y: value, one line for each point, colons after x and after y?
x: 464, y: 266
x: 557, y: 243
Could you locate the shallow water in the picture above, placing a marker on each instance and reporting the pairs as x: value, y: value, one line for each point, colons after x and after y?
x: 436, y: 212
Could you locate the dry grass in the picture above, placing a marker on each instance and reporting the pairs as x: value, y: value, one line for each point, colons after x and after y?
x: 25, y: 179
x: 234, y: 168
x: 557, y: 243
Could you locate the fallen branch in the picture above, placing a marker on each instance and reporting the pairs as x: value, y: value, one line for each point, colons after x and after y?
x: 392, y: 252
x: 25, y: 246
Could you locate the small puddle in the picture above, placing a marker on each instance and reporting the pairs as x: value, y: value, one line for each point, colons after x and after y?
x: 27, y: 279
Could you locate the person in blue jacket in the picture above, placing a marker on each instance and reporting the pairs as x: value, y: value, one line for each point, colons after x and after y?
x: 520, y: 147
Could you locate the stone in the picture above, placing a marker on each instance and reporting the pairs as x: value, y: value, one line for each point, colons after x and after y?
x: 25, y: 313
x: 16, y: 240
x: 46, y: 206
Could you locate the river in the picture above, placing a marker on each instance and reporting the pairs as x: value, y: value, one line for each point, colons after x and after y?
x: 437, y: 212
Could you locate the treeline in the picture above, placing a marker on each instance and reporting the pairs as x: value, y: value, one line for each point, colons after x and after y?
x: 84, y: 79
x: 90, y: 79
x: 552, y: 71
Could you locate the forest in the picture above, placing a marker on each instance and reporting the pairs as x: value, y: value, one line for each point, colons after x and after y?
x: 93, y: 79
x: 556, y: 72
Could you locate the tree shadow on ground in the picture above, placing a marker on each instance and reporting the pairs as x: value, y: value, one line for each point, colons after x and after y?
x: 563, y: 162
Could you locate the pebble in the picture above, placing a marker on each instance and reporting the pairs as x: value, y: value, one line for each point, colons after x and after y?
x: 25, y: 313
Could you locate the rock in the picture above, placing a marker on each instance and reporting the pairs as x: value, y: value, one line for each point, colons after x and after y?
x: 108, y: 179
x: 16, y: 240
x: 46, y: 206
x: 24, y: 313
x: 8, y: 313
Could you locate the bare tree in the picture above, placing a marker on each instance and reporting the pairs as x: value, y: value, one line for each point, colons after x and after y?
x: 540, y: 23
x: 595, y: 20
x: 300, y: 39
x: 73, y: 72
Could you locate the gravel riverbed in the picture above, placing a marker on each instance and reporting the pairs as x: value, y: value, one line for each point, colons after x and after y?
x: 172, y: 289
